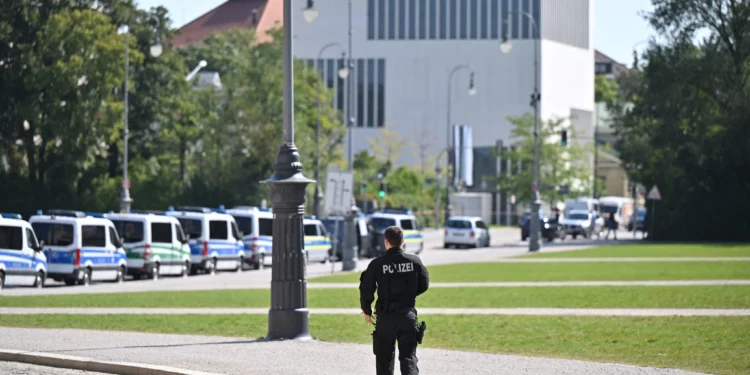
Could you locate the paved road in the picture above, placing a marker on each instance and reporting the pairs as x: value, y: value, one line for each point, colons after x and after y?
x: 505, y: 244
x: 14, y: 368
x: 352, y: 311
x: 241, y: 356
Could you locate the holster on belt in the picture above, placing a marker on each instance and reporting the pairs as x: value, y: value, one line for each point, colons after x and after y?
x: 420, y: 331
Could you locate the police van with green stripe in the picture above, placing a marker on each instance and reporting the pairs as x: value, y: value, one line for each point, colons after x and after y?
x: 155, y: 244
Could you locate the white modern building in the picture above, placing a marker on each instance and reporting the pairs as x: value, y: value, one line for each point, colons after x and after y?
x: 404, y: 51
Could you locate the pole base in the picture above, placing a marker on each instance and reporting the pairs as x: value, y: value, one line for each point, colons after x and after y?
x: 289, y: 324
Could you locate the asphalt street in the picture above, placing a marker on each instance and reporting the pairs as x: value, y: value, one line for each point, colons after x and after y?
x: 505, y: 243
x: 243, y: 357
x: 14, y: 368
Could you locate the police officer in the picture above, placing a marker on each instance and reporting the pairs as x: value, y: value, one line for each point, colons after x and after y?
x: 398, y: 278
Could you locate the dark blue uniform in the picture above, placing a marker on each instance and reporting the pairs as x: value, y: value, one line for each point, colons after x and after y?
x: 398, y: 278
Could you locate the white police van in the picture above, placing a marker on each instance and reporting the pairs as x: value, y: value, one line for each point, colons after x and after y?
x: 413, y: 239
x: 21, y: 259
x: 155, y: 244
x: 256, y: 224
x: 214, y: 239
x: 80, y: 248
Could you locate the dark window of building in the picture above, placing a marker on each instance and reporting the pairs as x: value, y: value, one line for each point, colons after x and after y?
x: 515, y: 16
x: 11, y: 238
x: 433, y: 19
x: 391, y: 19
x: 537, y: 18
x: 494, y: 30
x: 464, y: 20
x: 402, y: 19
x: 422, y: 19
x: 443, y: 19
x: 381, y: 19
x: 453, y: 19
x: 161, y: 232
x: 525, y: 19
x: 370, y: 19
x: 412, y: 19
x: 371, y: 92
x: 483, y: 21
x: 505, y: 19
x: 218, y: 230
x: 361, y: 93
x: 473, y: 19
x: 381, y: 93
x: 93, y: 236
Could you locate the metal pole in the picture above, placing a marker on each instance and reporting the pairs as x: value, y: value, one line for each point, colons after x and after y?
x: 288, y: 317
x: 350, y: 93
x: 451, y: 172
x: 349, y: 252
x: 437, y: 188
x: 535, y: 224
x: 125, y: 200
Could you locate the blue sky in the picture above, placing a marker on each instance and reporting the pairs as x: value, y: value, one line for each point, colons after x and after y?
x: 618, y: 26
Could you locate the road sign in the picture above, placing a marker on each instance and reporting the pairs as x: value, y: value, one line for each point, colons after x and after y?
x: 654, y: 194
x: 126, y: 184
x: 339, y: 190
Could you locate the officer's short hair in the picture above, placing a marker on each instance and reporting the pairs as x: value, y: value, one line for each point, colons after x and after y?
x: 394, y: 236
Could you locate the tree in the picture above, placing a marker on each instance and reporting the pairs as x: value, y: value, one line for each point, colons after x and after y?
x: 558, y: 165
x: 687, y: 131
x: 605, y: 90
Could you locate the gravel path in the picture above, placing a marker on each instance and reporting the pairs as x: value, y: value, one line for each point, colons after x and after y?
x: 242, y: 357
x: 14, y: 368
x: 354, y: 311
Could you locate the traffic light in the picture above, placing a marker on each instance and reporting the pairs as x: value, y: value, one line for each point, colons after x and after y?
x: 363, y: 187
x: 564, y: 138
x: 381, y: 193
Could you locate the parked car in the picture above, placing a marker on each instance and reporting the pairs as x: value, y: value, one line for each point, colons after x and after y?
x: 638, y: 220
x: 550, y: 228
x: 582, y: 223
x: 466, y: 231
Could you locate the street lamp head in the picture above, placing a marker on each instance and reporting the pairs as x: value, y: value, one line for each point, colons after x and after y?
x: 344, y: 71
x: 202, y: 63
x: 472, y: 89
x: 506, y: 45
x: 156, y: 49
x: 310, y: 13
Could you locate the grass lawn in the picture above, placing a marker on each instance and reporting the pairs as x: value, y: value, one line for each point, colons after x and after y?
x: 717, y: 345
x: 729, y: 296
x: 593, y: 271
x: 665, y: 250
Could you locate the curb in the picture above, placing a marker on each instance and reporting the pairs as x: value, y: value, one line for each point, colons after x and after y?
x: 90, y: 364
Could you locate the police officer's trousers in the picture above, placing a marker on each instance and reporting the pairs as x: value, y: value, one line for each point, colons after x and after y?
x: 398, y: 326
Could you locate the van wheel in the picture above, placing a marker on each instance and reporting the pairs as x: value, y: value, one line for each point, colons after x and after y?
x: 2, y: 280
x: 120, y: 278
x: 185, y: 269
x: 70, y: 282
x: 39, y: 280
x: 86, y: 281
x: 155, y: 272
x: 240, y: 264
x: 212, y: 267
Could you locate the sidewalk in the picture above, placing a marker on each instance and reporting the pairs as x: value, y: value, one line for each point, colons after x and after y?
x: 243, y: 357
x: 354, y: 311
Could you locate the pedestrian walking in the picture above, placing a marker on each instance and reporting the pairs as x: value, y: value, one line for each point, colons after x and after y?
x: 398, y: 279
x: 611, y: 226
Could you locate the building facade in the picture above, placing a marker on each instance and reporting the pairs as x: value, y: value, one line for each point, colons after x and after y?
x: 404, y: 51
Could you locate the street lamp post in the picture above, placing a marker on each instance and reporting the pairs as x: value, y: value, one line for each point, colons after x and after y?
x: 156, y: 49
x: 449, y: 143
x: 505, y: 47
x: 343, y: 74
x: 289, y: 317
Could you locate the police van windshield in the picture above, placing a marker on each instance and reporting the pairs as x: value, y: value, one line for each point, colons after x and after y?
x: 54, y: 234
x: 193, y: 228
x: 11, y: 238
x: 130, y: 231
x: 265, y: 227
x: 382, y: 223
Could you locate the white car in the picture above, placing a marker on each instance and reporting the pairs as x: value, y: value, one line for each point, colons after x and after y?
x: 583, y: 223
x: 466, y: 231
